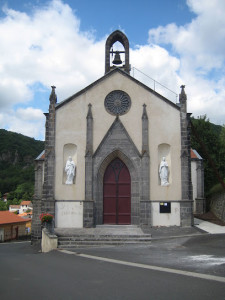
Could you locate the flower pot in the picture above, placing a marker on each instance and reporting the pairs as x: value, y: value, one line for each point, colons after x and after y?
x: 49, y: 226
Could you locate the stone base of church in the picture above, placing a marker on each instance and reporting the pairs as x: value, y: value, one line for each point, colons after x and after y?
x: 145, y: 213
x: 186, y: 213
x: 200, y: 206
x: 88, y: 214
x: 36, y: 222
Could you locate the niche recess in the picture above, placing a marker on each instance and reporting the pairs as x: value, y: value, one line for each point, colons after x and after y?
x: 164, y: 150
x: 69, y: 150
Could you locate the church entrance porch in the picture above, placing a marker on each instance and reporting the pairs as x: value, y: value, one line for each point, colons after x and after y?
x: 117, y: 194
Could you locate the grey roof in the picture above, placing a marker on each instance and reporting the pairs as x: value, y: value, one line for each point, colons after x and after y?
x: 58, y: 105
x: 40, y: 156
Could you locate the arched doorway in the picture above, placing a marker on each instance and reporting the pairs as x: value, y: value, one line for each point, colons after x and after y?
x: 117, y: 194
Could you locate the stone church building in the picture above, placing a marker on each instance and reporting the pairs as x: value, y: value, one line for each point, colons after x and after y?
x: 116, y: 152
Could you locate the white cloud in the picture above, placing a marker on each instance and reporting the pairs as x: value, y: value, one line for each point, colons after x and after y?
x: 160, y: 65
x: 29, y: 114
x: 28, y: 121
x: 200, y: 46
x: 48, y: 47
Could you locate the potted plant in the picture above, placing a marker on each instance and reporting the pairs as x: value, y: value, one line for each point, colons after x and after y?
x: 47, y: 221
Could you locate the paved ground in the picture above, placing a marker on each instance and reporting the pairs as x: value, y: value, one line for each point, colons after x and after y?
x: 209, y: 227
x: 185, y: 267
x: 101, y: 230
x: 203, y: 254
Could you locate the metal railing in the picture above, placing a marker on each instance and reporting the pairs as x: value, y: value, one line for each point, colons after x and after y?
x: 155, y: 85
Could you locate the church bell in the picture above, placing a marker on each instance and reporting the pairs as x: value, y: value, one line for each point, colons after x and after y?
x: 117, y: 60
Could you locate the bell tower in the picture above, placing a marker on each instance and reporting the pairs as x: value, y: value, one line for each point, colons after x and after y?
x: 117, y: 36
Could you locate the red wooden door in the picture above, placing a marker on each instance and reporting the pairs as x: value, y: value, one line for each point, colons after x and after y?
x: 117, y: 194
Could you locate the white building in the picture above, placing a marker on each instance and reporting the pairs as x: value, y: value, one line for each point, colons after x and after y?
x: 117, y: 132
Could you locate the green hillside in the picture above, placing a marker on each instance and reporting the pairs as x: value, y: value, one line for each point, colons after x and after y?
x: 17, y: 154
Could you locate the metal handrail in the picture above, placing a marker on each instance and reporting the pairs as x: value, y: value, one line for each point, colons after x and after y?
x: 154, y: 82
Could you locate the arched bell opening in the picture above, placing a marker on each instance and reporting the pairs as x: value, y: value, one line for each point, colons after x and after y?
x: 117, y: 52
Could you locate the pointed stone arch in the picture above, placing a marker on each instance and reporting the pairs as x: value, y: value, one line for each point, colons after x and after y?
x: 99, y: 172
x: 118, y: 144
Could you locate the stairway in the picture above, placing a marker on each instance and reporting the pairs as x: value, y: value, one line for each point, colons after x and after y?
x: 102, y: 235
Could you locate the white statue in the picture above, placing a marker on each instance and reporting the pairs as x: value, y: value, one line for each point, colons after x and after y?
x: 70, y: 170
x: 164, y: 172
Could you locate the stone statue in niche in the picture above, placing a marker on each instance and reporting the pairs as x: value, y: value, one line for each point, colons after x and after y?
x: 70, y: 170
x: 164, y: 172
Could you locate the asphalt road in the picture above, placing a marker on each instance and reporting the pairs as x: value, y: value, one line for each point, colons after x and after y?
x: 26, y: 273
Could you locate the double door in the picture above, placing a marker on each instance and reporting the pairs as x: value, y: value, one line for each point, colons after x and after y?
x: 117, y: 194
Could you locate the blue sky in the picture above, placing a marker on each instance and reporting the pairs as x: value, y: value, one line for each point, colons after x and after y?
x: 62, y: 43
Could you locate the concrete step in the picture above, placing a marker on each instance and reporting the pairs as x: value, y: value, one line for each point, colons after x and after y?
x: 127, y: 240
x: 80, y: 241
x: 77, y: 244
x: 102, y: 235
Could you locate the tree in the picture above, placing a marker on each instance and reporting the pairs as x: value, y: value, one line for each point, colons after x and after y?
x: 3, y: 205
x: 209, y: 135
x: 222, y: 151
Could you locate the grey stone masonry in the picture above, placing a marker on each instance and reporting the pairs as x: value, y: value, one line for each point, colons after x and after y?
x: 200, y: 205
x: 48, y: 202
x: 88, y: 217
x: 38, y: 172
x: 88, y: 213
x: 200, y: 201
x: 145, y: 214
x: 114, y: 37
x: 145, y: 207
x: 36, y: 223
x: 187, y: 203
x: 118, y: 144
x: 186, y: 213
x: 217, y: 205
x: 200, y: 179
x: 89, y: 138
x: 145, y: 143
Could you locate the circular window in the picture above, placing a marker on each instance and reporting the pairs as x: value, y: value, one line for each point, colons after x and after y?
x: 117, y: 102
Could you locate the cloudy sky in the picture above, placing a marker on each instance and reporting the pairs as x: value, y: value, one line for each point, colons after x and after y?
x: 62, y: 43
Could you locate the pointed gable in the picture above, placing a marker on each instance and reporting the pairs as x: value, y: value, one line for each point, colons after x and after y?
x: 117, y: 138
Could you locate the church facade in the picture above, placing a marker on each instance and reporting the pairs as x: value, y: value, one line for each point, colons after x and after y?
x: 117, y: 152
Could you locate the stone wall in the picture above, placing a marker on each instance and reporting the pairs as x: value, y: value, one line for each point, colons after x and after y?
x: 49, y: 241
x: 217, y: 205
x: 36, y: 223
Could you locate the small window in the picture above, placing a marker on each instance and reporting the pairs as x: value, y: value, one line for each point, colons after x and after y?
x: 165, y: 207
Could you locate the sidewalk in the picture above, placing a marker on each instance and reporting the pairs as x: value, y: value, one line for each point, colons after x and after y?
x: 200, y: 228
x: 209, y: 227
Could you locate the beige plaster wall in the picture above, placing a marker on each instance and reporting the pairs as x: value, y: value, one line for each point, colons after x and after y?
x: 49, y: 242
x: 69, y: 214
x: 166, y: 219
x: 164, y: 127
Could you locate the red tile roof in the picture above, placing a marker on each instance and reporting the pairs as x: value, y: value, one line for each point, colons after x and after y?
x: 193, y: 155
x: 41, y: 156
x: 25, y: 203
x: 7, y: 217
x: 14, y: 206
